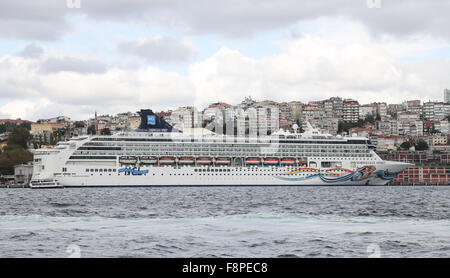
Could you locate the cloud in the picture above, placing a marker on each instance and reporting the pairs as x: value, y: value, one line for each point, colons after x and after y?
x: 84, y: 66
x: 31, y: 51
x: 40, y: 20
x: 49, y: 20
x: 236, y: 18
x: 160, y: 49
x: 27, y: 91
x: 350, y: 62
x: 17, y: 79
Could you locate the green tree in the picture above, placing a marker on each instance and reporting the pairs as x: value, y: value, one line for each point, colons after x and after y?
x: 57, y: 135
x: 345, y: 126
x: 26, y: 125
x: 12, y: 157
x: 370, y: 118
x: 15, y: 152
x: 405, y: 145
x: 91, y: 130
x: 421, y: 145
x: 19, y: 136
x: 79, y: 124
x: 105, y: 131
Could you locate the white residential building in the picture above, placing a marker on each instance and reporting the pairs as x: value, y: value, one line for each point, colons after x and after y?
x: 350, y: 110
x: 447, y: 96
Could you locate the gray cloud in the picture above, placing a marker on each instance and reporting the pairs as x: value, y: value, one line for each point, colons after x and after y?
x: 41, y: 20
x: 236, y: 18
x: 31, y: 51
x: 159, y: 50
x: 54, y: 65
x: 233, y: 18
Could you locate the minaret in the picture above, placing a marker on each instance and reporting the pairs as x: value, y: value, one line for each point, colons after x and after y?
x: 96, y: 123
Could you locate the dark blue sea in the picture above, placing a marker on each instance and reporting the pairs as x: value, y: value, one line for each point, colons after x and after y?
x: 226, y: 222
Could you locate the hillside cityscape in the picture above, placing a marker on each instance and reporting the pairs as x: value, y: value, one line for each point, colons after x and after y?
x: 410, y: 131
x: 388, y: 125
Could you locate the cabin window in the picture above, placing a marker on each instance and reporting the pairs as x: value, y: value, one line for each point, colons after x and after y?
x: 326, y: 164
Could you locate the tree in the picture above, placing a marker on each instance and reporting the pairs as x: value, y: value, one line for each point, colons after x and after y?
x: 15, y: 152
x: 57, y: 135
x: 405, y: 145
x: 421, y: 145
x: 345, y: 126
x: 91, y: 130
x: 105, y: 131
x: 19, y: 136
x: 10, y: 126
x: 79, y: 124
x: 26, y: 125
x: 12, y: 157
x: 370, y: 118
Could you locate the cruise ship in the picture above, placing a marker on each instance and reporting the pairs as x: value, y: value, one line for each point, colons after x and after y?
x: 156, y: 154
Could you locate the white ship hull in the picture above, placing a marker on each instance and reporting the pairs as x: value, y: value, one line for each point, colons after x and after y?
x: 233, y: 176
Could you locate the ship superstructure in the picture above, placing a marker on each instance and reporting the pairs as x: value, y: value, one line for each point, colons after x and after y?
x: 158, y: 155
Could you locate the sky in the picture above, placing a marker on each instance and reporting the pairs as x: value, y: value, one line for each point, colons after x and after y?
x: 78, y: 57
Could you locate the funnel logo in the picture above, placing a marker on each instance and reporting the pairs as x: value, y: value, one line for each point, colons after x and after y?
x: 151, y: 119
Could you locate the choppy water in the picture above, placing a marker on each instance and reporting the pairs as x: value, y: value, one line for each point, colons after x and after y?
x: 226, y: 222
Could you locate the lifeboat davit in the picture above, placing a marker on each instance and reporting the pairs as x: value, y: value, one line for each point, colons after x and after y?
x: 166, y: 160
x: 223, y: 161
x: 252, y: 160
x: 128, y: 159
x: 204, y: 160
x: 186, y: 160
x: 270, y: 161
x: 288, y: 161
x: 148, y: 160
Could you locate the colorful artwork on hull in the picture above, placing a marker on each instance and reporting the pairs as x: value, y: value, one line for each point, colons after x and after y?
x: 339, y: 174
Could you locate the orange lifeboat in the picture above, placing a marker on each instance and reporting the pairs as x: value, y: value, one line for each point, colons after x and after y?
x: 270, y: 161
x: 186, y: 160
x: 204, y: 160
x: 223, y: 161
x: 288, y: 161
x: 166, y: 160
x: 252, y: 160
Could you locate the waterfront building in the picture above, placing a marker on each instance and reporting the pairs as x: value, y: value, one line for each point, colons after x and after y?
x: 23, y: 174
